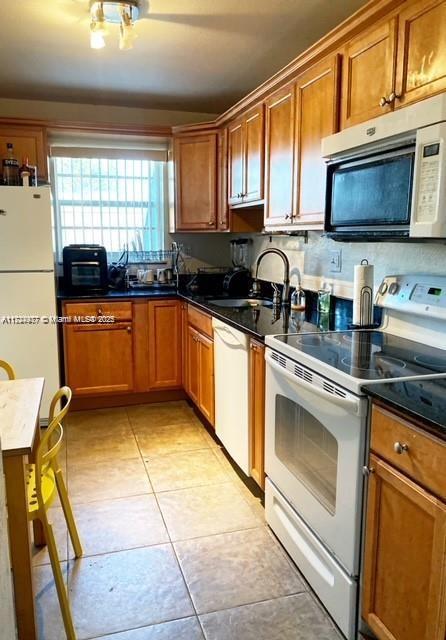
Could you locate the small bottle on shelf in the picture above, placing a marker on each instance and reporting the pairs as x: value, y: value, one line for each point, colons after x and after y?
x: 10, y: 167
x: 27, y: 174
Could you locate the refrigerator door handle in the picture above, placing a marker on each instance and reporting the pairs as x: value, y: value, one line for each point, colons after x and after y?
x: 3, y: 212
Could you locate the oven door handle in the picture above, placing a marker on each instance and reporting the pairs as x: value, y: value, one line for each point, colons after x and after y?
x: 349, y: 404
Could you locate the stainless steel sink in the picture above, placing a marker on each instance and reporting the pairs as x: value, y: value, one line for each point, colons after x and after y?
x: 240, y: 303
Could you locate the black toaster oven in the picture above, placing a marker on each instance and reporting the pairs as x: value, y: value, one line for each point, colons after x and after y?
x: 85, y: 268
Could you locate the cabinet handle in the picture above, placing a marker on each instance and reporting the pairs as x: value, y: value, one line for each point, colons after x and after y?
x: 211, y: 223
x: 394, y: 96
x: 129, y: 329
x: 367, y: 471
x: 400, y: 448
x: 99, y: 311
x: 383, y: 101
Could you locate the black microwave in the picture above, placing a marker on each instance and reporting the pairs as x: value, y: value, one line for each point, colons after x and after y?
x: 370, y: 197
x: 85, y: 268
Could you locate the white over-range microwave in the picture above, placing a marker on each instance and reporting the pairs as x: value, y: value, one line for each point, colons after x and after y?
x: 386, y: 178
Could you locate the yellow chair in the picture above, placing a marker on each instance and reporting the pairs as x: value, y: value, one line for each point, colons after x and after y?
x: 8, y: 368
x: 44, y: 479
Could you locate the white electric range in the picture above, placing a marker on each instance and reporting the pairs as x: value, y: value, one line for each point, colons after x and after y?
x: 317, y: 429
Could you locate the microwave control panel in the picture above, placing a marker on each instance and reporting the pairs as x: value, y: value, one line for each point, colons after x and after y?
x: 429, y: 188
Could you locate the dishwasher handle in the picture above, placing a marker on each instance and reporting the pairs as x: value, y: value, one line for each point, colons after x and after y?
x: 352, y: 405
x: 229, y: 337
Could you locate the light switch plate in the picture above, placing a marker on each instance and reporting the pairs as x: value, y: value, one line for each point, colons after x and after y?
x: 335, y: 259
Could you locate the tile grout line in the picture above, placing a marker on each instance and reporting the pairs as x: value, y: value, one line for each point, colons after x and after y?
x: 171, y: 544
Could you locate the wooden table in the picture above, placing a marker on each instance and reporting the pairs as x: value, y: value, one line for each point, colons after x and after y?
x: 20, y: 435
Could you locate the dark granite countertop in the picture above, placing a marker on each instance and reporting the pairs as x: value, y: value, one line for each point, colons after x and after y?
x: 263, y: 321
x: 114, y: 294
x: 422, y: 400
x: 258, y: 322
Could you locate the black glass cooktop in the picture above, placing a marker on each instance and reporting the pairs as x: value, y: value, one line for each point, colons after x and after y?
x: 370, y: 355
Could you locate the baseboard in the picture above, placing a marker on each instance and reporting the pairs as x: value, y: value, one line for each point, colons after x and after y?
x: 122, y: 400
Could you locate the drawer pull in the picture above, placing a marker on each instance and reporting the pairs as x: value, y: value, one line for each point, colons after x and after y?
x: 366, y: 471
x: 129, y: 329
x: 99, y: 311
x: 400, y: 448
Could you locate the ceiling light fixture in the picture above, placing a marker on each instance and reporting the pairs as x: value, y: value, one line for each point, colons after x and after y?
x: 124, y: 13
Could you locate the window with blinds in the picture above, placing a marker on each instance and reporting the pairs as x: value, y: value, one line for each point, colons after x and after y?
x: 114, y: 201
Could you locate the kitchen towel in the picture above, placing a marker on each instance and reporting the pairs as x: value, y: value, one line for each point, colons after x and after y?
x: 363, y: 294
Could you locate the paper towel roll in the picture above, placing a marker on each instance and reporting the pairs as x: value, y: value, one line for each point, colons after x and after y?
x: 363, y: 294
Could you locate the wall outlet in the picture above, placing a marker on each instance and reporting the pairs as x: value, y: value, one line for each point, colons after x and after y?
x: 335, y: 260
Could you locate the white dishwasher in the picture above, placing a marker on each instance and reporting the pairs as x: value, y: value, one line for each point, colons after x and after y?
x: 231, y: 364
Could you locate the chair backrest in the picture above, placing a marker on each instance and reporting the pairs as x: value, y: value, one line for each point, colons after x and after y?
x: 8, y: 368
x: 52, y: 440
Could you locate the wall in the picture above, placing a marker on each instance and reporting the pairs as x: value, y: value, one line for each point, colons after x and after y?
x: 312, y: 260
x: 42, y: 110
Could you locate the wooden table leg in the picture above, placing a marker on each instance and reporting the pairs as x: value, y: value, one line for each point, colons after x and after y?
x: 39, y: 536
x: 20, y: 543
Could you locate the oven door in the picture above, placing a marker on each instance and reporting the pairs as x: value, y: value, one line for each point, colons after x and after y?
x: 315, y: 451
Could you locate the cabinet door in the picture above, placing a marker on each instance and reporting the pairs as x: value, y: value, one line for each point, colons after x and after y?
x: 369, y: 74
x: 254, y: 142
x: 223, y: 206
x: 206, y: 377
x: 317, y: 111
x: 279, y: 157
x: 193, y: 364
x: 196, y: 182
x: 421, y: 69
x: 164, y: 344
x: 405, y: 563
x: 257, y: 411
x: 27, y: 141
x: 235, y: 163
x: 99, y: 358
x: 184, y: 349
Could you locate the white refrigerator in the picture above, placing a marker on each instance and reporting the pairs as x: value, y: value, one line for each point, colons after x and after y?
x: 27, y: 287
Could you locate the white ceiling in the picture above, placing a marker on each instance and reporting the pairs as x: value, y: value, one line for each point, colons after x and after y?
x: 196, y: 55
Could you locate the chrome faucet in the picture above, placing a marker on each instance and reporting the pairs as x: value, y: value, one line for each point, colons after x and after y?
x: 286, y: 274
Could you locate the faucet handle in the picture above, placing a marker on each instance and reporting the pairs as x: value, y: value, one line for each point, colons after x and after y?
x: 256, y: 289
x: 277, y: 295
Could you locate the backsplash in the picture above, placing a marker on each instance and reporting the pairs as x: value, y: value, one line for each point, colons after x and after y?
x: 312, y: 260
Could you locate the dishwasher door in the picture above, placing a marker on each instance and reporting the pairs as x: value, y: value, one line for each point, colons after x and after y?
x: 231, y: 363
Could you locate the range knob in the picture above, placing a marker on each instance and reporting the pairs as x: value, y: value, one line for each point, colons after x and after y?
x: 383, y: 288
x: 394, y: 288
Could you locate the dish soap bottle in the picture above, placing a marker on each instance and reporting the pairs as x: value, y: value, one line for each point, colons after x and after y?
x: 298, y: 300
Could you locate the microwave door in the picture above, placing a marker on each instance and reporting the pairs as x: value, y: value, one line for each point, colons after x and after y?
x: 371, y: 194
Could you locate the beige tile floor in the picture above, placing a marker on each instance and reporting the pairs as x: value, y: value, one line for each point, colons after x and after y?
x: 175, y: 545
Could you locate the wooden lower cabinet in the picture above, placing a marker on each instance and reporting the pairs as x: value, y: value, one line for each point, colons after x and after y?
x: 206, y: 377
x: 140, y: 352
x: 257, y: 411
x: 99, y: 358
x: 405, y: 554
x: 165, y: 344
x: 200, y: 372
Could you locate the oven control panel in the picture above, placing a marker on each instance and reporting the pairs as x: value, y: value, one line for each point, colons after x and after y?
x: 418, y: 295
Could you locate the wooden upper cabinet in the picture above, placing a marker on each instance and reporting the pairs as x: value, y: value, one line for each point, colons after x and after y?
x: 279, y: 156
x: 223, y: 221
x: 235, y: 163
x: 165, y: 344
x: 405, y: 566
x: 28, y: 142
x: 246, y: 158
x: 317, y: 116
x: 254, y: 140
x: 421, y: 69
x: 369, y: 73
x: 196, y: 180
